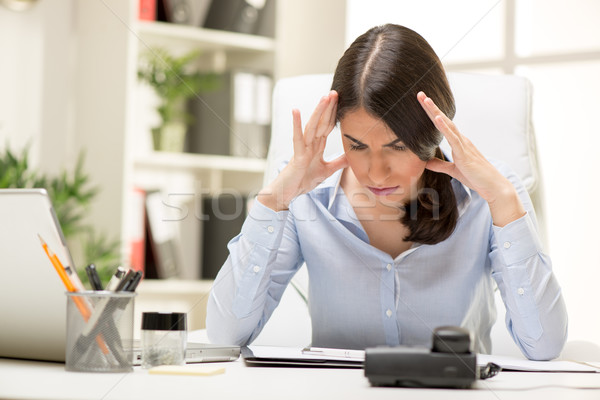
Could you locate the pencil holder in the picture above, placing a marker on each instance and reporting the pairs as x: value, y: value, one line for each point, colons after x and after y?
x: 99, y: 331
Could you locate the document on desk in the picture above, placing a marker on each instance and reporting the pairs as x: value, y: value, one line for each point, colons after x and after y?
x: 307, y: 357
x: 325, y: 357
x: 518, y: 364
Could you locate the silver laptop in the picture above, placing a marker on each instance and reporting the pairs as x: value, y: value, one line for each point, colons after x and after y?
x: 32, y: 296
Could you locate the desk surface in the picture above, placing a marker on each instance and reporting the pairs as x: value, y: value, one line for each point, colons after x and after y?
x: 28, y: 379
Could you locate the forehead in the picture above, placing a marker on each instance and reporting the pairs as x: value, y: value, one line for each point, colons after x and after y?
x: 366, y: 128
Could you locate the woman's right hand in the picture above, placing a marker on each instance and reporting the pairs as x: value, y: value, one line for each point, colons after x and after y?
x: 307, y: 169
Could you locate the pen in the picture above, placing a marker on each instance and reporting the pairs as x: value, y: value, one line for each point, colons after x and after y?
x: 102, y: 317
x: 133, y: 282
x: 125, y: 281
x: 79, y: 303
x: 116, y: 279
x: 92, y: 274
x: 115, y: 284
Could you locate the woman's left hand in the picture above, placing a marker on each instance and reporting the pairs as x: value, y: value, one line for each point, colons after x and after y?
x: 471, y: 168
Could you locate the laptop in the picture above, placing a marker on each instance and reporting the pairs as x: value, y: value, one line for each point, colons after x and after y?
x: 32, y: 296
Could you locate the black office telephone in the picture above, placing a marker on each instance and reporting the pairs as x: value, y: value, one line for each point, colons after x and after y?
x: 450, y: 363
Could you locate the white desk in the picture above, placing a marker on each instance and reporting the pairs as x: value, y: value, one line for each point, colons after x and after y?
x: 38, y: 380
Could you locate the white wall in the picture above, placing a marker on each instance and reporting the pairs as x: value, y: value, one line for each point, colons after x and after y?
x: 20, y: 77
x: 310, y: 36
x: 35, y: 80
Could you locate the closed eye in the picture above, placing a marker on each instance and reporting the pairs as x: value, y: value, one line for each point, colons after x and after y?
x: 397, y: 147
x: 356, y: 146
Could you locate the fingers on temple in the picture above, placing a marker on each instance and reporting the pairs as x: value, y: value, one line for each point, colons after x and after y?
x: 433, y: 111
x: 421, y: 96
x: 440, y: 120
x: 449, y: 134
x: 327, y: 121
x: 310, y: 130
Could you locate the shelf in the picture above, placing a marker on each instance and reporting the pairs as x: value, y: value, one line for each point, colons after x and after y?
x: 201, y: 162
x: 165, y: 34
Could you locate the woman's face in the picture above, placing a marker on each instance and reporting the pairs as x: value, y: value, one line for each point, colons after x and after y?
x: 378, y: 159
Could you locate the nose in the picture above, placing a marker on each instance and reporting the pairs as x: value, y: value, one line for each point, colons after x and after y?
x: 379, y: 170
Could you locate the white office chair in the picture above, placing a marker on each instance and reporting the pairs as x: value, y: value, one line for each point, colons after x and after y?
x: 493, y: 111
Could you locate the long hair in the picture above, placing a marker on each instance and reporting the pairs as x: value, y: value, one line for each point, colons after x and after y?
x: 382, y: 72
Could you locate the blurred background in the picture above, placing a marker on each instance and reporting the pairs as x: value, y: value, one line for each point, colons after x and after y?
x: 70, y: 81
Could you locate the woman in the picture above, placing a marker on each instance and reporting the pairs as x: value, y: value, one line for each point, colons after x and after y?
x: 397, y: 239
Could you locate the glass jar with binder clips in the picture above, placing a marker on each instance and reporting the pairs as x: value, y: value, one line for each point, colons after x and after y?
x: 164, y: 338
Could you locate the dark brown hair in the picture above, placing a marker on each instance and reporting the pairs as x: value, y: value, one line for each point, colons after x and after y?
x: 382, y: 72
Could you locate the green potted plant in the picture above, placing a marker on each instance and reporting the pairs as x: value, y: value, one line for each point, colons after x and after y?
x: 175, y: 79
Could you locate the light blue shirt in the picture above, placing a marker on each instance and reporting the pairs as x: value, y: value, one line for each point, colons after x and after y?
x: 359, y: 296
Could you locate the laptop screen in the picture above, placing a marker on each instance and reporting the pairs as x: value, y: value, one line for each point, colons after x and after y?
x: 32, y: 299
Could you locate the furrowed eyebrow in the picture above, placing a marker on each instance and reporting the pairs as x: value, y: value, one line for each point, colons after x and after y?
x: 394, y: 143
x: 354, y: 140
x: 391, y: 144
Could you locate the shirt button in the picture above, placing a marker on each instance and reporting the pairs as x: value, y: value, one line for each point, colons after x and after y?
x: 521, y: 291
x: 256, y: 268
x: 270, y: 229
x: 388, y: 313
x: 506, y: 245
x: 388, y: 267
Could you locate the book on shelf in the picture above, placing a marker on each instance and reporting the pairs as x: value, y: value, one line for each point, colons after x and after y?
x: 166, y: 252
x: 173, y: 234
x: 137, y: 230
x: 147, y: 10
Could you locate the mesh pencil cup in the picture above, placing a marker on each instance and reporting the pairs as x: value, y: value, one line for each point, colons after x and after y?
x: 99, y: 331
x: 164, y: 339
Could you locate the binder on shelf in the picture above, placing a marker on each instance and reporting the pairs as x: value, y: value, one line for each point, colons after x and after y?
x: 137, y: 230
x: 186, y: 12
x: 243, y: 16
x: 223, y: 216
x: 234, y: 120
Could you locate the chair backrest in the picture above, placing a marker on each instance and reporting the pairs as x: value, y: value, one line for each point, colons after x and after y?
x: 493, y: 111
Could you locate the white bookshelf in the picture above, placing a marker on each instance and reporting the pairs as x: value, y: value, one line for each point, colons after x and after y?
x: 200, y: 162
x: 166, y: 34
x: 109, y: 44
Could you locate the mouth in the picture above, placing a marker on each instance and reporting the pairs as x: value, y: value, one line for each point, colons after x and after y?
x: 383, y: 191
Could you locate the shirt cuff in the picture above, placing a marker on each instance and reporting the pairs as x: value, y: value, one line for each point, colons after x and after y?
x: 264, y: 226
x: 518, y: 240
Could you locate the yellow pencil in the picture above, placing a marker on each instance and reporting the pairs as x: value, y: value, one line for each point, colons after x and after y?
x: 81, y: 305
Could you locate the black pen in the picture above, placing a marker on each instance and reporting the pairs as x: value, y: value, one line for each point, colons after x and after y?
x: 125, y: 281
x: 132, y: 284
x: 92, y: 274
